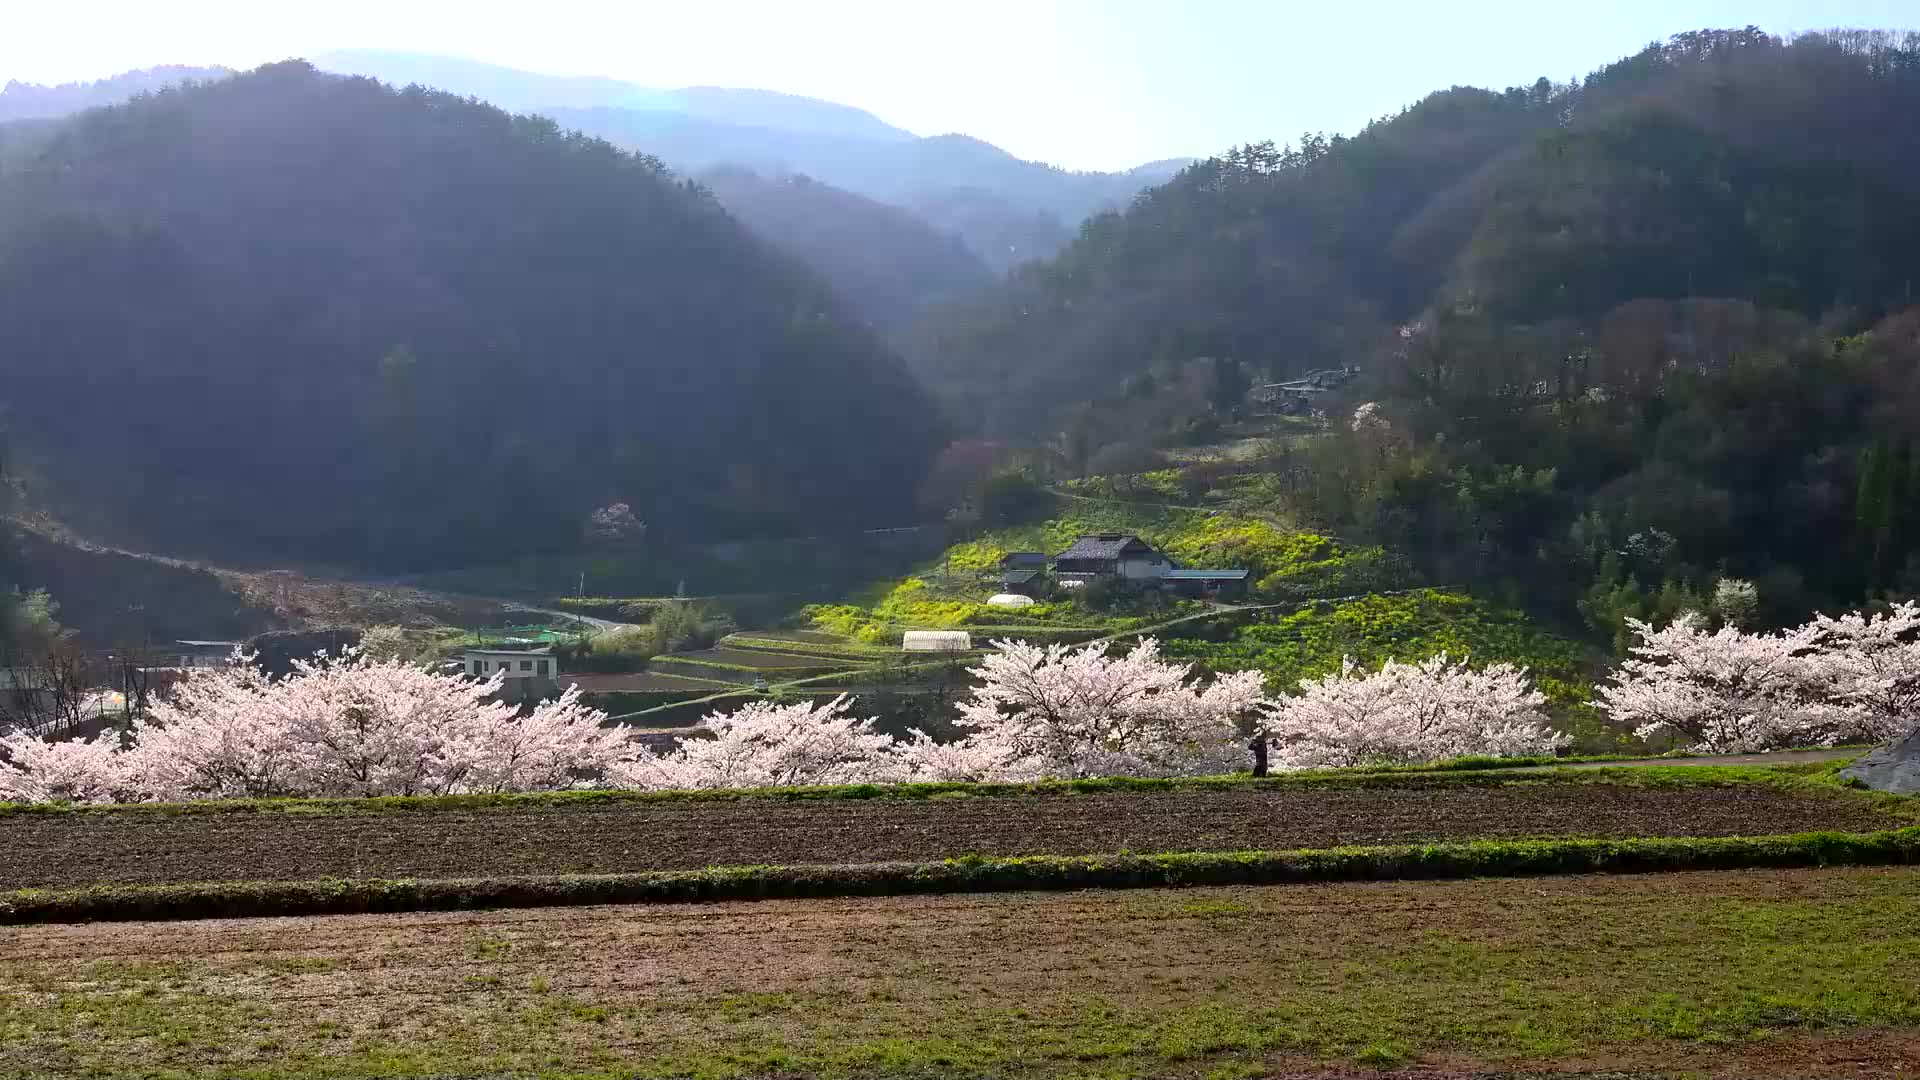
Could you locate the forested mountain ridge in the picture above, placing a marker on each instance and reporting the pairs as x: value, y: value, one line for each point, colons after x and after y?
x: 888, y: 263
x: 308, y: 316
x: 1722, y: 163
x: 1637, y: 346
x: 30, y: 101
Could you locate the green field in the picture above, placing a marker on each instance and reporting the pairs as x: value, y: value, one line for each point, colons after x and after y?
x: 1804, y: 973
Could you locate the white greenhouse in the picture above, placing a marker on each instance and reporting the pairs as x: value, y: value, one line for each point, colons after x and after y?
x: 936, y: 641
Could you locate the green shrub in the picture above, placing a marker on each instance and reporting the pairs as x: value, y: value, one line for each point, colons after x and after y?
x: 685, y: 625
x: 611, y: 651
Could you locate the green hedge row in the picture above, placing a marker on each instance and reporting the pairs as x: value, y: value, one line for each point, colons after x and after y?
x: 1463, y: 860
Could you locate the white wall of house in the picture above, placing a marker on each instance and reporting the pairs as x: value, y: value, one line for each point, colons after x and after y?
x: 485, y: 665
x: 1143, y: 567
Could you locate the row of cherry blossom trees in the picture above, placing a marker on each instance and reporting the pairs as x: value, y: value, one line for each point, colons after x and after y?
x: 356, y: 726
x: 1055, y: 711
x: 345, y: 726
x: 1855, y: 678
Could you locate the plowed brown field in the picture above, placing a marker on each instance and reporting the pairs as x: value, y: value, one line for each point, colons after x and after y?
x: 1765, y: 973
x: 134, y: 847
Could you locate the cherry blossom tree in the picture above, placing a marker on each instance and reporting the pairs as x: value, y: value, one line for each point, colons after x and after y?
x: 1869, y: 666
x: 1066, y: 712
x: 1408, y: 713
x: 34, y: 770
x: 341, y: 726
x: 968, y: 760
x: 768, y: 745
x: 1725, y: 691
x: 615, y: 523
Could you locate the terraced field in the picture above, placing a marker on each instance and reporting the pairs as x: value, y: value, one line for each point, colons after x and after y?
x: 619, y: 833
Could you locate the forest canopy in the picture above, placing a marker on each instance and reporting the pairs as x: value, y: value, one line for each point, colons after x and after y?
x: 1723, y: 163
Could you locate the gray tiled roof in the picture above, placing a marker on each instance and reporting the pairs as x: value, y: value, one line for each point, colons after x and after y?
x: 1100, y: 546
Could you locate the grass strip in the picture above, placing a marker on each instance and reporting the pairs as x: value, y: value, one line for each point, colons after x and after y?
x: 967, y: 874
x: 809, y: 664
x: 1464, y: 773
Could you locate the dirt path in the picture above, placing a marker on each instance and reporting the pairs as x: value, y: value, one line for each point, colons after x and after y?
x: 1767, y: 973
x: 79, y: 849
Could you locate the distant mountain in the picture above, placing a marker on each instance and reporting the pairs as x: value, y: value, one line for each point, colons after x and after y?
x: 293, y: 315
x: 886, y: 262
x: 526, y: 91
x: 1006, y: 209
x: 30, y: 101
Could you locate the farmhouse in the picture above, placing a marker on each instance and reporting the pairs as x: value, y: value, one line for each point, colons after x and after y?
x: 527, y: 674
x: 1106, y: 555
x: 1126, y: 557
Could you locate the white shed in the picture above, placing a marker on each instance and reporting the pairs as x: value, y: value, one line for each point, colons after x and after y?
x: 936, y: 641
x: 1009, y: 599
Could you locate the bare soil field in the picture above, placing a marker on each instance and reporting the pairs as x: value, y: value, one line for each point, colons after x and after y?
x: 1739, y: 974
x: 140, y: 847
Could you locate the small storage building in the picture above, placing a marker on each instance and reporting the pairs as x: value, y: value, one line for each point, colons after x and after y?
x: 1224, y: 584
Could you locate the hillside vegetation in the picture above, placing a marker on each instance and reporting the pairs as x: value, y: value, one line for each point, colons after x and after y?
x: 887, y: 263
x: 1624, y: 345
x: 1313, y: 640
x: 1724, y: 163
x: 483, y: 327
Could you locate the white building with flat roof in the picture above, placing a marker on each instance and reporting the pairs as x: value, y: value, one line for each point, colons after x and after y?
x: 526, y: 674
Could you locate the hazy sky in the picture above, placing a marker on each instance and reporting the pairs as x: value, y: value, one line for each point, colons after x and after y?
x: 1091, y: 84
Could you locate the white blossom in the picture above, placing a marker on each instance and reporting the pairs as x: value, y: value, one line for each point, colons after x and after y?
x: 1368, y: 418
x: 345, y: 726
x: 767, y: 745
x: 1869, y: 665
x: 1059, y: 711
x: 1826, y: 682
x: 1410, y: 713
